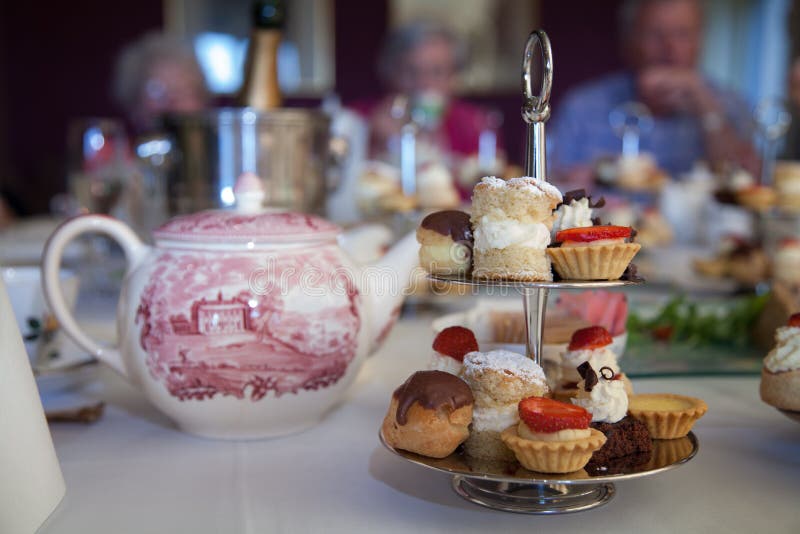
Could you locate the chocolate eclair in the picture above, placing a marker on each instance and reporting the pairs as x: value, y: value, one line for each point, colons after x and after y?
x: 445, y: 239
x: 429, y: 414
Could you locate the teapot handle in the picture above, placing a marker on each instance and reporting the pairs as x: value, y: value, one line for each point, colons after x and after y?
x: 134, y: 250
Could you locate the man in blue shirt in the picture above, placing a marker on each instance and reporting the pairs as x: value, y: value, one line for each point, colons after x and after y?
x: 693, y: 119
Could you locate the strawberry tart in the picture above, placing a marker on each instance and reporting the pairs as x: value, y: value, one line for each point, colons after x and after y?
x: 593, y: 253
x: 552, y: 436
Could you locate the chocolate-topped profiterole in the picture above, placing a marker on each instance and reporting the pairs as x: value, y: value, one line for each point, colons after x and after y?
x: 429, y: 414
x: 432, y: 390
x: 452, y: 223
x: 445, y: 239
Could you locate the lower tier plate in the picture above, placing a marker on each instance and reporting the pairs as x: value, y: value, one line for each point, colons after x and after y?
x: 510, y: 487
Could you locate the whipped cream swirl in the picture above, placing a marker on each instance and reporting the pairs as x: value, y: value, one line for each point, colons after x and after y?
x: 607, y: 401
x: 576, y: 214
x: 786, y: 354
x: 597, y: 358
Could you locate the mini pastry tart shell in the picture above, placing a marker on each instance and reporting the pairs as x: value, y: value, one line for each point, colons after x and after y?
x: 600, y: 262
x: 668, y: 424
x: 553, y: 456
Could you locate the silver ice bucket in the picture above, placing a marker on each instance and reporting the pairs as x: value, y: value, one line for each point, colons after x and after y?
x: 287, y: 148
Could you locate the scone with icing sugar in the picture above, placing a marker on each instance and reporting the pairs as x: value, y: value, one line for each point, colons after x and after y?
x: 499, y: 380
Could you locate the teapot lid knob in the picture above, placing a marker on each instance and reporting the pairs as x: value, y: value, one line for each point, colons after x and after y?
x: 249, y: 193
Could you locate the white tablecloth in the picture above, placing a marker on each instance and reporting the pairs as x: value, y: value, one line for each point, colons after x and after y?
x: 133, y: 472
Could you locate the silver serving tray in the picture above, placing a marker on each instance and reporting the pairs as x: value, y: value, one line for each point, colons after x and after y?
x: 509, y: 487
x: 667, y: 454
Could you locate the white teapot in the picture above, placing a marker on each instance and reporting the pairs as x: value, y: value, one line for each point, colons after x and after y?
x: 240, y: 324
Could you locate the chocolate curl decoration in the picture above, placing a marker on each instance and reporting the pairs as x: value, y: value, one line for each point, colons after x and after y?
x: 578, y: 194
x: 607, y: 373
x: 588, y: 375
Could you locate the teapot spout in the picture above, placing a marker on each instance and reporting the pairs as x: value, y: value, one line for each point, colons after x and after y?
x: 386, y: 284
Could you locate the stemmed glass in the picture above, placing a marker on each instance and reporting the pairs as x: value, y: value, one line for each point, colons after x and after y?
x: 99, y: 163
x: 772, y: 121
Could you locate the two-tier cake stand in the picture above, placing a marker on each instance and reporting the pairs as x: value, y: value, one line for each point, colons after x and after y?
x: 510, y: 487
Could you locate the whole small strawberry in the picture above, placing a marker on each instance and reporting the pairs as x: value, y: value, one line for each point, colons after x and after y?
x: 592, y: 337
x: 455, y: 341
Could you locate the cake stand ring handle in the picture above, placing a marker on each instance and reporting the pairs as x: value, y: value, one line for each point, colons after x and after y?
x: 536, y: 106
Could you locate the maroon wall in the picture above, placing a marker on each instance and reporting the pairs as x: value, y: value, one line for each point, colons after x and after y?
x: 56, y: 63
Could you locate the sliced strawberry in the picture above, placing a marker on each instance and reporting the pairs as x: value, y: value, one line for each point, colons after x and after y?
x: 541, y: 414
x: 593, y: 233
x: 794, y: 320
x: 592, y: 337
x: 455, y: 341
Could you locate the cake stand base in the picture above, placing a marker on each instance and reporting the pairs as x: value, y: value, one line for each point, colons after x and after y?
x: 533, y: 498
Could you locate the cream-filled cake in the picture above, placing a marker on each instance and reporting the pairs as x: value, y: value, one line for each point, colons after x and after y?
x: 786, y: 178
x: 786, y: 264
x: 511, y: 223
x: 602, y: 393
x: 590, y: 346
x: 499, y: 379
x: 445, y: 239
x: 435, y: 187
x: 780, y: 376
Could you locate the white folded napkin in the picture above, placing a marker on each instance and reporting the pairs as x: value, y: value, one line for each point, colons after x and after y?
x: 32, y: 484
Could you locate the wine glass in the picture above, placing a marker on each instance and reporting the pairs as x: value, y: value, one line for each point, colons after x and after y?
x: 99, y: 163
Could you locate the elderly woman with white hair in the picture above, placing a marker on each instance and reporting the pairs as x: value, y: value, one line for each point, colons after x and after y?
x: 419, y: 65
x: 158, y: 74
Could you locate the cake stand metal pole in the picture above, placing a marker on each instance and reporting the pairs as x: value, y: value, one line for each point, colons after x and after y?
x: 535, y: 305
x: 537, y: 83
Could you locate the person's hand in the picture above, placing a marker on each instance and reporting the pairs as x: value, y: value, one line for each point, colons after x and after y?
x: 670, y: 90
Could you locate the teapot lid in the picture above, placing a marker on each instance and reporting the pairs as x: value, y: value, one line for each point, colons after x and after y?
x: 248, y: 223
x: 222, y: 226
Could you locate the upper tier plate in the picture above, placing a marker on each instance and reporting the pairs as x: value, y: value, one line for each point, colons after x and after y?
x: 561, y: 284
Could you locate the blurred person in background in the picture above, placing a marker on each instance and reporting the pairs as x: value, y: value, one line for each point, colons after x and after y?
x: 693, y: 118
x: 420, y: 64
x: 792, y: 146
x: 158, y: 74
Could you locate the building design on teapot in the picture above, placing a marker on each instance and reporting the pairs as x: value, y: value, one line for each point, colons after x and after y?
x: 214, y: 317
